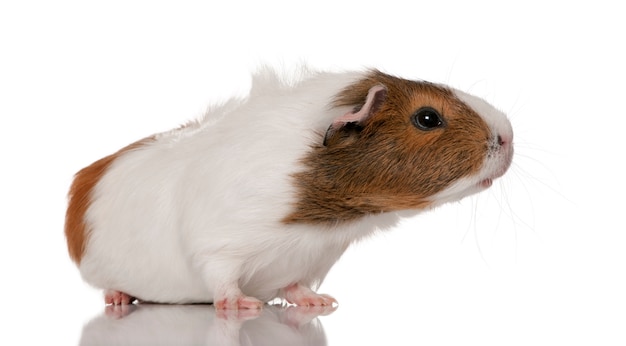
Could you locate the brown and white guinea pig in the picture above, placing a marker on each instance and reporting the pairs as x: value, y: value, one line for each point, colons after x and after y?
x: 258, y: 199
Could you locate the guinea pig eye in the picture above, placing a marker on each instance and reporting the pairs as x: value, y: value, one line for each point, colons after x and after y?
x: 427, y: 118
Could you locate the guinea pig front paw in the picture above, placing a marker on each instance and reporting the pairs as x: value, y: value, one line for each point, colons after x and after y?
x: 240, y: 302
x: 303, y: 296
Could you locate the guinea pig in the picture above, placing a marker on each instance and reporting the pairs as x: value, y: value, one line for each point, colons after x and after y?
x: 260, y: 197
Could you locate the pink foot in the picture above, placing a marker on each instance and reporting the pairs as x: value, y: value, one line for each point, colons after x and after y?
x: 117, y: 298
x: 303, y: 296
x: 240, y: 302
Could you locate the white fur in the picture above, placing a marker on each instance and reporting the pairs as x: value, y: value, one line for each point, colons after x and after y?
x: 495, y: 119
x: 497, y: 160
x: 197, y: 213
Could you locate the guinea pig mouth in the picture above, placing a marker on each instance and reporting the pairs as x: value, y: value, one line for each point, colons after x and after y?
x: 502, y: 163
x: 487, y: 182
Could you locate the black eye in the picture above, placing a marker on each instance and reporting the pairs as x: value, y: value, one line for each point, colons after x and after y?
x: 427, y: 118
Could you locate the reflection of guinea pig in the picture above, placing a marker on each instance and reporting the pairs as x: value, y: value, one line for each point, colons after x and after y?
x: 259, y: 199
x: 158, y: 324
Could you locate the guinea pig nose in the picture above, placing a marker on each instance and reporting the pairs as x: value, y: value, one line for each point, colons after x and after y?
x: 503, y: 141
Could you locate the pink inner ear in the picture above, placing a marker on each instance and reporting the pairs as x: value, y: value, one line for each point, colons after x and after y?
x: 375, y: 97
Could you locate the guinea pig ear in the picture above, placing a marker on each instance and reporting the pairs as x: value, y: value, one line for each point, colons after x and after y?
x: 355, y: 120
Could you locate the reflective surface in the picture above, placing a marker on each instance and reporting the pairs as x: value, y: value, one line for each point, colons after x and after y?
x: 146, y: 324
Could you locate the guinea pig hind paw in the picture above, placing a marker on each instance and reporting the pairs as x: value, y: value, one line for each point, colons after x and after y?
x: 112, y: 297
x: 303, y: 296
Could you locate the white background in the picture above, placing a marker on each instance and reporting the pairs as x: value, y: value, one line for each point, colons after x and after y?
x: 539, y: 259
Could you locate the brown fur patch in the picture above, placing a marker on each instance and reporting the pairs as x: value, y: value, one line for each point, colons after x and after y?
x: 76, y: 231
x: 389, y: 164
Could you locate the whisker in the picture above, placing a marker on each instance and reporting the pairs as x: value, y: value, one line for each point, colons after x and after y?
x: 520, y: 172
x: 473, y: 226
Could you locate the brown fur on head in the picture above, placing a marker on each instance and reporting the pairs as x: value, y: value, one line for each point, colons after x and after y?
x: 384, y: 162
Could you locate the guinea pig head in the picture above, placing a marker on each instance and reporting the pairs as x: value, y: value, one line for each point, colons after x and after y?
x: 401, y: 145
